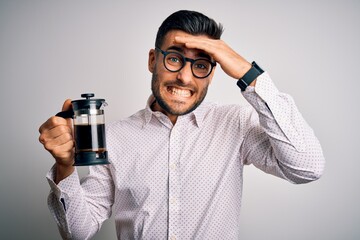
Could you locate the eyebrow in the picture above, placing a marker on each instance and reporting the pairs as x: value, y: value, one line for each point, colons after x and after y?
x: 200, y: 54
x: 179, y: 49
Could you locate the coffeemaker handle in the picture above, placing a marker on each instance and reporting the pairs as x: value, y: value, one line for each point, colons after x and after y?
x: 66, y: 114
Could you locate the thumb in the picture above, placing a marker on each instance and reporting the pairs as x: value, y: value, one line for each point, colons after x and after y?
x: 67, y: 105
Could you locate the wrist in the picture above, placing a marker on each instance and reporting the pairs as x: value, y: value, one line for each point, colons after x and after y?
x: 249, y: 78
x: 253, y: 83
x: 62, y: 172
x: 244, y: 69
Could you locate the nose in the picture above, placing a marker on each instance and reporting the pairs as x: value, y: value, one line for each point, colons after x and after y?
x: 185, y: 75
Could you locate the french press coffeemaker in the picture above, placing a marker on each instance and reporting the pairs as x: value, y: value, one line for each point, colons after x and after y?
x: 89, y: 130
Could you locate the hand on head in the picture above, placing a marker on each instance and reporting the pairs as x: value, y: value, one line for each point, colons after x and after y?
x: 231, y: 62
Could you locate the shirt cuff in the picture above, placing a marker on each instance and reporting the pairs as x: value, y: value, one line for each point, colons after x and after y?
x: 67, y: 187
x: 264, y: 87
x: 262, y: 93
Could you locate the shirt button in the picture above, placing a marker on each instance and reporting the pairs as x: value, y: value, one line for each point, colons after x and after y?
x: 172, y: 166
x: 175, y: 131
x: 172, y: 238
x: 173, y: 200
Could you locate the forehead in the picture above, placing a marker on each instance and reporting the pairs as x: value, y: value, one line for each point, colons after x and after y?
x: 169, y: 41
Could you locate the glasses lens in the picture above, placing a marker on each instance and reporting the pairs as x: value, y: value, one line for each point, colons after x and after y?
x: 174, y: 61
x: 201, y: 68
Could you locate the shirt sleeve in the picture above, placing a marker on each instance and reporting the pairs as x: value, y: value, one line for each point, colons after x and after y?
x: 280, y: 142
x: 80, y: 207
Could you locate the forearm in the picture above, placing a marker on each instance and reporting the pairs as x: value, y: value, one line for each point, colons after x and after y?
x: 62, y: 172
x: 75, y: 208
x: 72, y: 216
x: 276, y: 155
x: 289, y: 147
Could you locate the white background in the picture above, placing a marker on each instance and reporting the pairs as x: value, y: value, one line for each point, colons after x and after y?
x: 53, y: 50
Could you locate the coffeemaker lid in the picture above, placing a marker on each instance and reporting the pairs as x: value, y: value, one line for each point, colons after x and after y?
x: 88, y: 102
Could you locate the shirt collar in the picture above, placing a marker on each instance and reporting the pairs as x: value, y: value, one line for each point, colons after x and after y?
x: 197, y: 116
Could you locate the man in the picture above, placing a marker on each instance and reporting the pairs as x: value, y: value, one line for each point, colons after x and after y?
x: 177, y: 165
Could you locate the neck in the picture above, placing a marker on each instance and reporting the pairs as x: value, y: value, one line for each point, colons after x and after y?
x: 157, y: 108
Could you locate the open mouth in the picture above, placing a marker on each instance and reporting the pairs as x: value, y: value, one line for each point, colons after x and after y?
x: 179, y: 92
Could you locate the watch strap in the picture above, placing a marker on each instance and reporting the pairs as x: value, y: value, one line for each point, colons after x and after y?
x: 249, y: 76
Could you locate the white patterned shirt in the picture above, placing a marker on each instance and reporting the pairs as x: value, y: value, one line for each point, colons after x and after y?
x: 184, y: 181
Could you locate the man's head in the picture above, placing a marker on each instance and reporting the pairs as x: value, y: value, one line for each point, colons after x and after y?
x: 179, y: 91
x: 191, y: 22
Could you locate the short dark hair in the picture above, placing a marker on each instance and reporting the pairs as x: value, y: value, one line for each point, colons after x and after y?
x: 191, y: 22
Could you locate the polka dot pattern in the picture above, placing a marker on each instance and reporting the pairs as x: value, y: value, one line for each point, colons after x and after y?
x: 184, y: 181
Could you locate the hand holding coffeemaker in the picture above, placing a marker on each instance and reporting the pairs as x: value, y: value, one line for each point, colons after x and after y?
x: 88, y: 132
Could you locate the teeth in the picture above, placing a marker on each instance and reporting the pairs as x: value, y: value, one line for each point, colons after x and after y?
x: 180, y: 92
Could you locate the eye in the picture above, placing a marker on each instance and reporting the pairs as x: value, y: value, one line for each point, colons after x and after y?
x: 201, y: 65
x: 174, y: 59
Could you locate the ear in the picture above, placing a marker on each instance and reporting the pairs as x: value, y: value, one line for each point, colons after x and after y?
x: 152, y: 60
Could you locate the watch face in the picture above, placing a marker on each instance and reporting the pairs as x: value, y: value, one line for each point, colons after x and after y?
x: 249, y: 76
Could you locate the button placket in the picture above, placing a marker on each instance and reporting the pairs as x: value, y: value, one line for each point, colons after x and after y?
x: 174, y: 184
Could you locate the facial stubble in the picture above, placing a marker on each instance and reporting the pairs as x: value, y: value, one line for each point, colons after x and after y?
x: 155, y: 87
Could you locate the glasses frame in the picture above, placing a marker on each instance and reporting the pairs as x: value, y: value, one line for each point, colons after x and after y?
x: 185, y: 59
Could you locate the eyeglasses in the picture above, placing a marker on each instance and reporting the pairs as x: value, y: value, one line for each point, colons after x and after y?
x: 174, y: 62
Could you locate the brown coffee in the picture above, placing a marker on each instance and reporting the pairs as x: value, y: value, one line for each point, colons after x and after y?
x: 90, y: 138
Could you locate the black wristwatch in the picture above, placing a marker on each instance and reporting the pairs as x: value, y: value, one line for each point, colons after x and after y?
x: 249, y: 76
